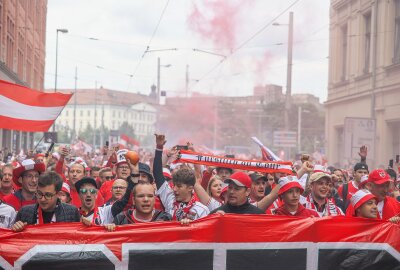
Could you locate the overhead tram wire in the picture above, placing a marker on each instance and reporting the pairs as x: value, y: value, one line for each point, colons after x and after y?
x: 148, y: 45
x: 249, y: 39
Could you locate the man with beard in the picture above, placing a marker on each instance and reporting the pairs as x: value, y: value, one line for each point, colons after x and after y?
x: 49, y: 208
x: 26, y: 176
x: 6, y: 185
x: 290, y: 193
x: 318, y: 199
x: 239, y: 185
x: 378, y: 184
x: 76, y: 171
x: 258, y: 185
x: 143, y: 210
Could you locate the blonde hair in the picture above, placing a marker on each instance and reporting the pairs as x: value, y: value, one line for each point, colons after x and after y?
x: 212, y: 180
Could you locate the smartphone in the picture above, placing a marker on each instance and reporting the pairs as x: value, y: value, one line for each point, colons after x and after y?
x: 107, y: 143
x: 397, y: 159
x: 180, y: 147
x: 391, y: 163
x: 230, y: 156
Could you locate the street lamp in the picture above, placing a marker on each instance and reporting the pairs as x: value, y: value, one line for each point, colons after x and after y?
x: 158, y: 78
x: 64, y: 31
x: 289, y: 69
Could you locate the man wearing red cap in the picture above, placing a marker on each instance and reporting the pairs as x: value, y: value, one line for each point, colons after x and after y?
x: 378, y: 184
x: 289, y: 193
x: 239, y: 186
x: 26, y: 177
x: 6, y: 185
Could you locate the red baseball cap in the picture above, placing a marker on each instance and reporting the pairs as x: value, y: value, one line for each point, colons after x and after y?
x: 379, y: 177
x: 240, y: 179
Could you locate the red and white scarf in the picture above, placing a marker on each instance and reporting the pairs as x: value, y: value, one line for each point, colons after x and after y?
x: 186, y: 156
x: 93, y: 215
x: 330, y: 209
x: 182, y: 209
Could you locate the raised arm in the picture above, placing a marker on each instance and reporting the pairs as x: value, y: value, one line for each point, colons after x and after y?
x: 269, y: 199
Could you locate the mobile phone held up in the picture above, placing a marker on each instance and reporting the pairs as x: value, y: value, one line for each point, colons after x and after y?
x: 182, y: 147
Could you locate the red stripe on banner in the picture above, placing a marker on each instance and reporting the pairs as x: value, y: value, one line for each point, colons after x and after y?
x: 24, y: 125
x: 32, y: 97
x: 234, y: 163
x: 211, y: 229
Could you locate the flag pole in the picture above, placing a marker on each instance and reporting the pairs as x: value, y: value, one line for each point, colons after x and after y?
x: 38, y: 143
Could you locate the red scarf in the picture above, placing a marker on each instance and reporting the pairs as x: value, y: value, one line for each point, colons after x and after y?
x: 40, y: 220
x: 182, y: 209
x: 95, y: 212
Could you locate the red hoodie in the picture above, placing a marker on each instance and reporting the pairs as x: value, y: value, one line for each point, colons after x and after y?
x: 301, y: 212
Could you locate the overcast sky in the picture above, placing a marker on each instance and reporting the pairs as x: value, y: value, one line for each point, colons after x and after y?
x: 107, y: 40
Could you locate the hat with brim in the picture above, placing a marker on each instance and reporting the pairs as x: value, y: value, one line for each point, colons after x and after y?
x: 359, y: 198
x: 240, y: 179
x: 289, y: 182
x: 256, y: 176
x: 27, y: 165
x: 379, y: 177
x: 85, y: 180
x: 318, y: 176
x: 144, y: 168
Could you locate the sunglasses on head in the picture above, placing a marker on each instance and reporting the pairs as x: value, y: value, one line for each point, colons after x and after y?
x: 85, y: 190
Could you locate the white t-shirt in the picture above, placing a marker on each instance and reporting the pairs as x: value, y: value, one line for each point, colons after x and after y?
x: 167, y: 198
x: 7, y: 215
x: 213, y: 204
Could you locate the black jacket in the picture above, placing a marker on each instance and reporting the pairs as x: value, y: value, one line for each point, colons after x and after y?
x: 125, y: 217
x: 64, y: 213
x: 246, y: 208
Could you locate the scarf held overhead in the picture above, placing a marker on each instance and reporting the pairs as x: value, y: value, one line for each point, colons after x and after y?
x: 249, y: 165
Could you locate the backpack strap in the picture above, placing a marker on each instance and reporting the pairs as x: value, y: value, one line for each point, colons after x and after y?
x: 345, y: 192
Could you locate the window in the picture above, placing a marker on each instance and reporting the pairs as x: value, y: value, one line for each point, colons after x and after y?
x: 367, y: 44
x: 113, y: 113
x: 81, y: 113
x: 344, y: 52
x: 66, y: 112
x: 396, y: 58
x: 88, y: 113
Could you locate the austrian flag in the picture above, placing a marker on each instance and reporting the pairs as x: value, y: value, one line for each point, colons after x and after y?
x: 25, y: 109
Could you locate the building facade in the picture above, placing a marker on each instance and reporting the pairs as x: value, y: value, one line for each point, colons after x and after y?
x: 108, y: 109
x: 22, y: 54
x: 364, y: 80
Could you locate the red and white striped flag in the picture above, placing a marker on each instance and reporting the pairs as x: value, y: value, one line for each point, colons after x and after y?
x: 25, y: 109
x: 267, y: 154
x: 128, y: 141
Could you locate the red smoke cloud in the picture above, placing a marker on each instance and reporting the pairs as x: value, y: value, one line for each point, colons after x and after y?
x: 219, y: 21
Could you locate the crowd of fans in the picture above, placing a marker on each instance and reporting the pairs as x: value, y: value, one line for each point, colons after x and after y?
x: 60, y: 187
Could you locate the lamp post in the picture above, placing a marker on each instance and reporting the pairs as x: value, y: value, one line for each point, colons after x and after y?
x: 55, y: 78
x: 158, y: 78
x: 289, y: 69
x: 55, y: 75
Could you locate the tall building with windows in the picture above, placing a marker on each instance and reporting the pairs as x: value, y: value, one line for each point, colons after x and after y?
x: 22, y: 54
x: 363, y: 105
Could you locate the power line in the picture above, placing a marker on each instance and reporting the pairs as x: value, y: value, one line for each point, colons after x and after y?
x: 249, y: 39
x: 148, y: 45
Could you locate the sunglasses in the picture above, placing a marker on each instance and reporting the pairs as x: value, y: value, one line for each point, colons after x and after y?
x: 85, y: 190
x: 107, y: 177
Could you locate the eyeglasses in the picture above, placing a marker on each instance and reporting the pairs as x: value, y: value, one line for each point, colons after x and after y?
x: 85, y: 190
x: 118, y: 187
x: 31, y: 176
x: 107, y: 177
x: 123, y: 167
x: 47, y: 195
